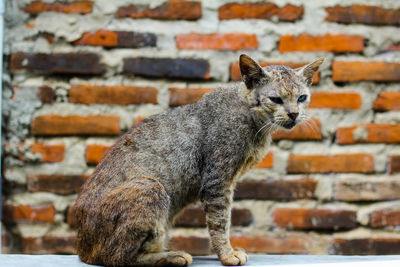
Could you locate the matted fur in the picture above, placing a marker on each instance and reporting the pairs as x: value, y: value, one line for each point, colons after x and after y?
x: 194, y: 152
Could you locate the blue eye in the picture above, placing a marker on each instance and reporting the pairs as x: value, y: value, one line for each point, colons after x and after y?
x: 276, y: 100
x: 302, y: 98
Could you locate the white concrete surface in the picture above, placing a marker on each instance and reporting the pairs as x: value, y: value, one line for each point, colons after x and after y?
x: 254, y: 260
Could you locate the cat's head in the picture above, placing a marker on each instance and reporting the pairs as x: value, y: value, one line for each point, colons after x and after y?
x: 279, y: 94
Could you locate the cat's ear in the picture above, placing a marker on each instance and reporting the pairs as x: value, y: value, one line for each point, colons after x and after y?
x: 251, y: 72
x: 308, y: 71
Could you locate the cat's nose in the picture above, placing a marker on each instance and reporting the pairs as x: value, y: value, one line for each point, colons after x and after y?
x: 293, y: 115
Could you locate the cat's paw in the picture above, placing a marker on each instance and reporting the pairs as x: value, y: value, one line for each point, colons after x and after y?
x: 237, y: 257
x: 176, y: 258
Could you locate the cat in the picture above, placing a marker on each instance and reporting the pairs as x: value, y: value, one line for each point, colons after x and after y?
x: 193, y: 152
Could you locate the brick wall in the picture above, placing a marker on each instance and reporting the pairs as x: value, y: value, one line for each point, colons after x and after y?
x: 79, y: 74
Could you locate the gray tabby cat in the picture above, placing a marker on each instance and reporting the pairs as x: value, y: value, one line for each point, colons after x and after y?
x: 194, y: 152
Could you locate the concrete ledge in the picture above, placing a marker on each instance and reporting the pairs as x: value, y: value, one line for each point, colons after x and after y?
x: 254, y: 260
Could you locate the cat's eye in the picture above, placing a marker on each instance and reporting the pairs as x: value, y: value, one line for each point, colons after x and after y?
x: 302, y: 98
x: 276, y: 100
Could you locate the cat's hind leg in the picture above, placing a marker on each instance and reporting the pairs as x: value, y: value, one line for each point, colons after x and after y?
x: 131, y: 227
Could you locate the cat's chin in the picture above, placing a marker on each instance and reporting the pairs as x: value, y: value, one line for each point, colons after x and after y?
x: 289, y: 125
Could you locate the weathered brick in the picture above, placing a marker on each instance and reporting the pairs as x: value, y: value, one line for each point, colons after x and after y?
x: 49, y: 245
x: 217, y: 41
x: 26, y: 213
x: 7, y: 241
x: 56, y: 183
x: 366, y: 246
x: 81, y: 7
x: 71, y: 218
x: 272, y: 245
x: 276, y: 189
x: 252, y: 244
x: 57, y: 63
x: 354, y: 71
x: 394, y: 164
x: 109, y: 38
x: 46, y: 94
x: 235, y: 70
x: 335, y: 100
x: 387, y: 217
x: 176, y: 68
x: 260, y: 11
x: 319, y: 219
x: 138, y: 120
x: 368, y: 133
x: 387, y: 101
x: 49, y: 153
x: 364, y: 14
x: 194, y: 216
x: 179, y: 10
x: 94, y: 153
x: 309, y: 130
x: 75, y: 125
x: 191, y: 244
x: 367, y: 190
x: 340, y: 163
x: 178, y: 97
x: 118, y: 94
x: 338, y: 43
x: 267, y: 161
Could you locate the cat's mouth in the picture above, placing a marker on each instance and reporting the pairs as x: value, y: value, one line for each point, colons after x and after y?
x: 289, y: 125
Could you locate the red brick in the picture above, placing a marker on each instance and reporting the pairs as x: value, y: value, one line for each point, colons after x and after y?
x: 7, y: 241
x: 56, y: 183
x: 354, y: 71
x: 276, y: 189
x: 175, y: 68
x: 335, y: 100
x: 366, y: 246
x: 387, y: 101
x: 235, y: 70
x: 252, y: 244
x: 191, y: 244
x: 179, y: 10
x: 46, y: 94
x: 260, y: 11
x: 267, y: 161
x: 49, y: 153
x: 26, y: 213
x: 75, y: 125
x: 374, y: 133
x: 49, y: 245
x: 340, y: 163
x: 118, y: 94
x: 81, y: 7
x: 178, y: 97
x: 71, y: 217
x: 308, y: 130
x: 338, y: 43
x: 194, y: 216
x: 364, y: 14
x: 394, y: 164
x: 57, y: 63
x: 388, y: 217
x: 319, y: 219
x: 367, y: 190
x: 138, y: 120
x: 272, y: 245
x: 109, y: 38
x: 217, y: 41
x: 94, y: 153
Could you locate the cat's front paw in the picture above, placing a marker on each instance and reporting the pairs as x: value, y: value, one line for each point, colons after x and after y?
x: 237, y: 257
